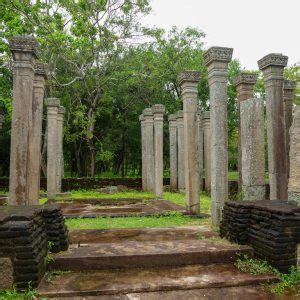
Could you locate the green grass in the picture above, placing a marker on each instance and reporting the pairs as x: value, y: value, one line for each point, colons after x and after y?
x: 166, y: 220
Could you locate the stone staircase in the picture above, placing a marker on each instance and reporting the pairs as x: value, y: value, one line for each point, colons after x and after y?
x: 126, y: 263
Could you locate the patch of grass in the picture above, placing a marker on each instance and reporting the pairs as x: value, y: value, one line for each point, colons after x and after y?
x: 29, y: 293
x: 165, y: 220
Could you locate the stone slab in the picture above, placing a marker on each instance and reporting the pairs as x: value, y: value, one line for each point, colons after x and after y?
x: 110, y: 282
x: 132, y: 254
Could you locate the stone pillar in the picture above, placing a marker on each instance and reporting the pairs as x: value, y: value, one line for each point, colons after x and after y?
x: 143, y: 149
x: 35, y: 137
x: 173, y: 152
x: 288, y: 97
x: 158, y: 111
x: 272, y: 67
x: 180, y: 151
x: 200, y: 150
x: 188, y: 81
x: 252, y: 138
x: 1, y: 121
x: 217, y: 59
x: 52, y: 113
x: 23, y: 49
x: 294, y: 180
x: 207, y: 149
x: 149, y: 148
x: 59, y: 148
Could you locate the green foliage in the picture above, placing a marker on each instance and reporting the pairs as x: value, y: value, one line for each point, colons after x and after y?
x: 12, y: 294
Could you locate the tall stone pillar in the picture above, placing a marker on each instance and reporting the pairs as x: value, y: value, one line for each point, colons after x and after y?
x: 180, y: 151
x: 200, y: 149
x: 252, y: 138
x: 23, y: 49
x: 158, y: 111
x: 52, y: 113
x: 288, y: 97
x: 188, y: 81
x: 294, y: 180
x: 207, y: 149
x: 272, y: 67
x: 59, y: 148
x: 173, y: 152
x: 149, y: 148
x: 35, y: 137
x: 217, y: 59
x: 143, y: 149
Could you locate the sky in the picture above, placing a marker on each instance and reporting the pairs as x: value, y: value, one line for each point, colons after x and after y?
x: 253, y: 28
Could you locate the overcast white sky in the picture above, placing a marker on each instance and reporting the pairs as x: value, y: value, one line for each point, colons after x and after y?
x: 253, y: 28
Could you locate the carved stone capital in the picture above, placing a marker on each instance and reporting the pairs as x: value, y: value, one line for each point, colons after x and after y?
x: 272, y: 59
x: 179, y: 115
x: 53, y: 102
x: 289, y: 84
x: 218, y: 54
x: 61, y: 110
x: 40, y: 69
x: 147, y: 112
x: 158, y: 109
x: 23, y: 43
x: 189, y: 76
x: 206, y: 115
x: 245, y: 78
x: 141, y: 118
x: 172, y: 117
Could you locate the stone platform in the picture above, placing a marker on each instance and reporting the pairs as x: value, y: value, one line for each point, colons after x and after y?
x: 91, y: 208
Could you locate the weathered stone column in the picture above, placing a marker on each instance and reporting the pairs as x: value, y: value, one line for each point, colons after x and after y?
x: 217, y: 59
x: 188, y: 81
x: 52, y: 112
x: 207, y: 149
x: 272, y: 67
x: 252, y: 138
x: 288, y: 97
x: 173, y: 152
x: 158, y: 111
x: 23, y: 49
x: 200, y: 149
x: 143, y: 149
x: 149, y: 147
x: 59, y: 148
x: 35, y: 137
x: 294, y: 180
x: 180, y: 151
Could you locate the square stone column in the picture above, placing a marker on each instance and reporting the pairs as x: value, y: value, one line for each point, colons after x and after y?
x: 207, y: 149
x: 272, y: 67
x: 23, y: 49
x: 143, y: 149
x: 216, y: 60
x: 188, y: 81
x: 52, y: 113
x: 180, y: 151
x: 158, y: 111
x: 35, y: 137
x: 289, y: 87
x: 252, y: 138
x: 294, y: 180
x: 173, y: 152
x: 200, y: 149
x: 59, y: 148
x: 149, y: 147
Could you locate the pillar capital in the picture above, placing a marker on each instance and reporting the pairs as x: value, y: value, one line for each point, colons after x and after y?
x: 23, y: 47
x: 272, y: 60
x: 189, y: 76
x: 179, y: 116
x: 53, y: 102
x: 244, y: 84
x: 158, y: 110
x: 40, y: 69
x: 61, y: 110
x: 218, y: 54
x: 141, y: 118
x: 172, y: 120
x: 289, y: 85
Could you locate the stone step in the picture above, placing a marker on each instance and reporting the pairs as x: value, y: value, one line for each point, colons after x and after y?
x: 145, y: 254
x: 140, y: 234
x: 124, y: 281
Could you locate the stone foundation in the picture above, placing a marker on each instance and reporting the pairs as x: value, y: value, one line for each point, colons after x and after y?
x: 24, y: 235
x: 272, y: 228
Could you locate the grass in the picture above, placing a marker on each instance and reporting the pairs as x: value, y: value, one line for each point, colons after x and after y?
x: 13, y: 294
x: 163, y: 220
